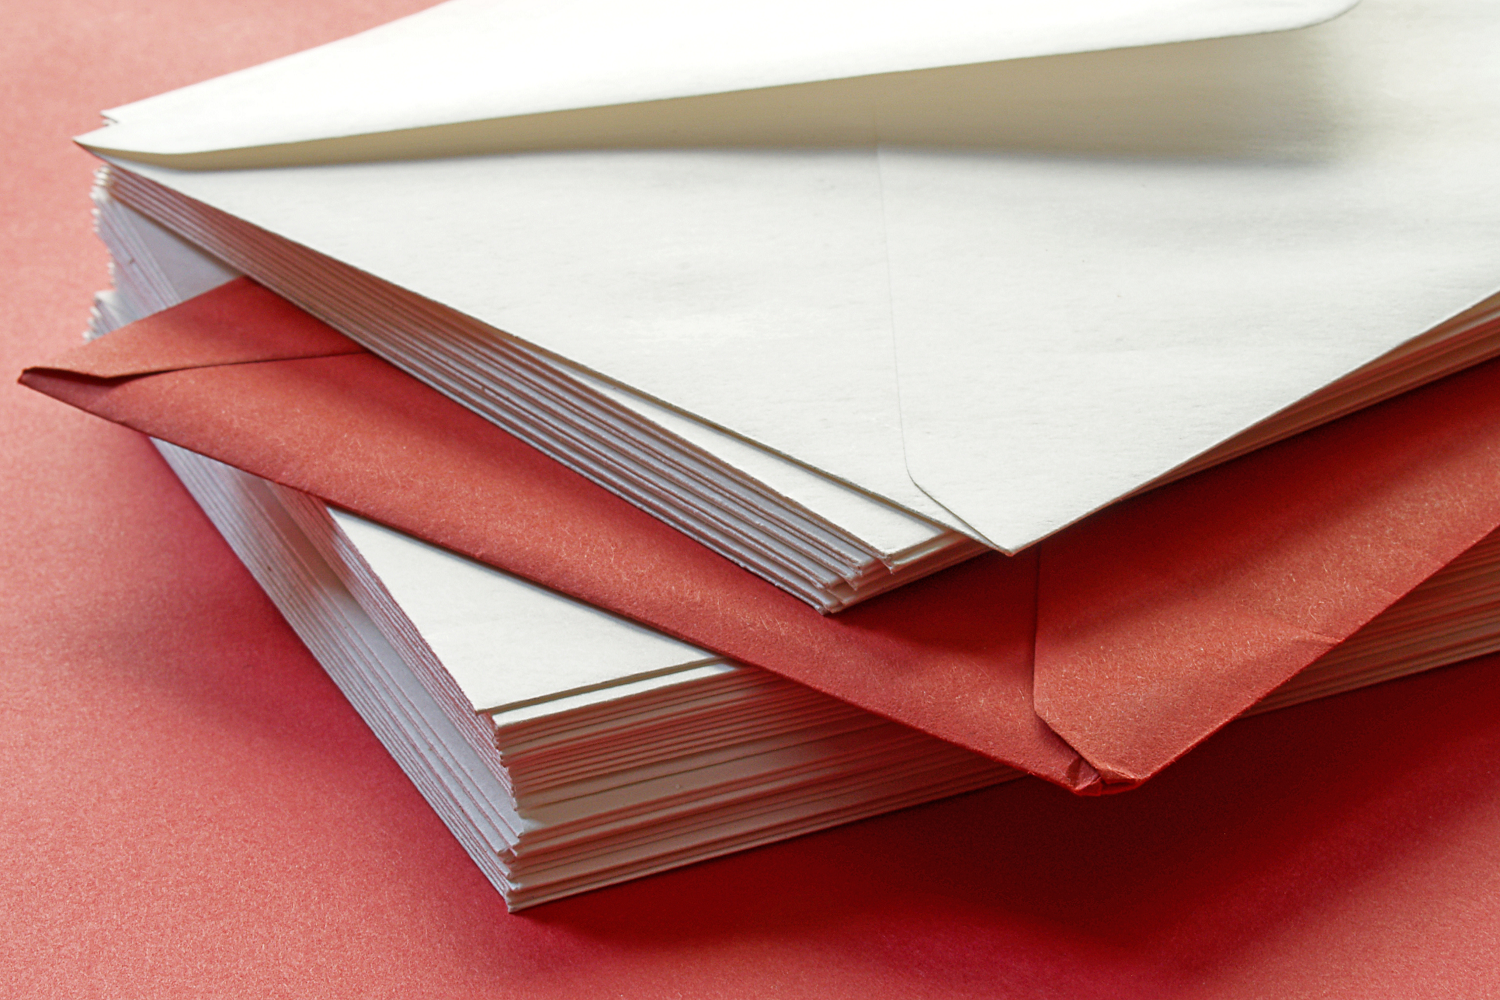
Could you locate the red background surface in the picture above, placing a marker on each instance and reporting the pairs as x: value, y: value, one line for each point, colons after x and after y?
x: 190, y: 809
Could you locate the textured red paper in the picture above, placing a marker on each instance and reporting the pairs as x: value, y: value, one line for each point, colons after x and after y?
x: 1161, y: 619
x: 1166, y: 616
x: 191, y: 810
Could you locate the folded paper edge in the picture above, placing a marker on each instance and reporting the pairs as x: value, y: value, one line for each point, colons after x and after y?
x: 406, y: 139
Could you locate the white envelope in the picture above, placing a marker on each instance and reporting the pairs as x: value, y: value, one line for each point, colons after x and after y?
x: 997, y: 263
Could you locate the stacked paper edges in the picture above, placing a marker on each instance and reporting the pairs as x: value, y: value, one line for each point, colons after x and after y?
x: 568, y: 749
x: 846, y: 307
x: 565, y: 748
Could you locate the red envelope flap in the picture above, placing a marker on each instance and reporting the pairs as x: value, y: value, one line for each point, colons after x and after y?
x: 951, y: 656
x: 237, y: 322
x: 1166, y: 616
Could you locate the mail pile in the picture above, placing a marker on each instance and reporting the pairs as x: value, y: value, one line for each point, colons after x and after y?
x: 565, y: 747
x: 878, y: 409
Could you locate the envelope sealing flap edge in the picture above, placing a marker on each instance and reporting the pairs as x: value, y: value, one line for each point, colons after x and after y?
x: 474, y: 60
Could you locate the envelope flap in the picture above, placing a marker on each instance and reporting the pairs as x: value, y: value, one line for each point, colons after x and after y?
x: 209, y: 330
x: 1164, y: 617
x: 1259, y: 225
x: 474, y: 60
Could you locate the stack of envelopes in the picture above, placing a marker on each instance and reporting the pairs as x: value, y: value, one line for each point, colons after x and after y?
x: 567, y: 748
x: 950, y: 392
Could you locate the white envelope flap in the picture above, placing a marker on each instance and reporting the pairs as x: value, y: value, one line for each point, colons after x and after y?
x: 474, y: 60
x: 1074, y: 321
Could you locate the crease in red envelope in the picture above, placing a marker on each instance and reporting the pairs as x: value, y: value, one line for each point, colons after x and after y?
x: 1152, y: 624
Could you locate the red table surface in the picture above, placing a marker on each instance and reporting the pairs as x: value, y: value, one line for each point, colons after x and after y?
x: 191, y: 809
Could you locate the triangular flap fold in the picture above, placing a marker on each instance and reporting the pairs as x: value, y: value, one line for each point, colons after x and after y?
x: 1165, y: 617
x: 1255, y: 225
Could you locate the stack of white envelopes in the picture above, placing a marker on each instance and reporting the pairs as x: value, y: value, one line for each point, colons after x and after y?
x: 568, y: 748
x: 565, y: 747
x: 816, y: 537
x: 848, y: 307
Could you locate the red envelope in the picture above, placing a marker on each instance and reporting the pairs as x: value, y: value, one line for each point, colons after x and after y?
x: 1092, y: 660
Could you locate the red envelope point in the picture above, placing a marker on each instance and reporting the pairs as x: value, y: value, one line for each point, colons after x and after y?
x: 234, y: 324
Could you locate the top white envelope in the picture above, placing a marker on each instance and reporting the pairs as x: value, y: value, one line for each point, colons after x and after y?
x: 948, y: 252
